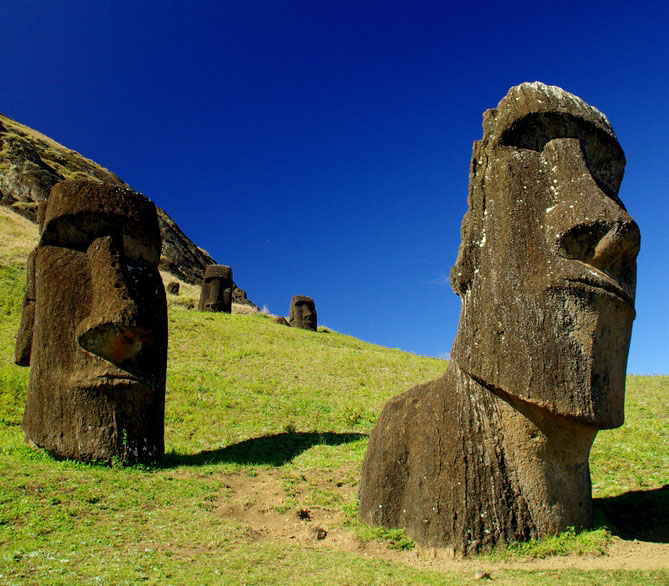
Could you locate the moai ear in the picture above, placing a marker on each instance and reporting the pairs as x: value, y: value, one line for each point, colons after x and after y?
x: 24, y: 339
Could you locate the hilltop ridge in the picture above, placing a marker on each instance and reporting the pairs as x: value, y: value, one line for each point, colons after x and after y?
x: 31, y: 163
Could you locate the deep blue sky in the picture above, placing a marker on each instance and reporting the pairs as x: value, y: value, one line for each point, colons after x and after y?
x: 322, y: 148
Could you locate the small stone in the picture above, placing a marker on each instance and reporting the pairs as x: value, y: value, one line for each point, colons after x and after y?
x: 304, y: 514
x: 482, y: 575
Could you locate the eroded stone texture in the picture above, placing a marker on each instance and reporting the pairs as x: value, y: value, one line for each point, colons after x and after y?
x: 94, y: 326
x: 282, y: 321
x: 497, y: 449
x: 217, y: 286
x: 172, y: 288
x: 303, y: 313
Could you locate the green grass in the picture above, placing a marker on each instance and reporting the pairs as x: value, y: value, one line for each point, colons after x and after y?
x: 252, y: 401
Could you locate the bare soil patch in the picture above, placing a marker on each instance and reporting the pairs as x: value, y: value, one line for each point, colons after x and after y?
x: 260, y: 503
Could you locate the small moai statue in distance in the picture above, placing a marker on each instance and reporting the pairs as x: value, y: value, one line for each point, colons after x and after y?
x: 282, y: 321
x: 217, y: 288
x: 94, y: 327
x: 303, y: 313
x: 496, y: 450
x: 173, y: 288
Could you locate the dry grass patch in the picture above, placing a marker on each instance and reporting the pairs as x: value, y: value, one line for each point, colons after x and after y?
x: 19, y: 237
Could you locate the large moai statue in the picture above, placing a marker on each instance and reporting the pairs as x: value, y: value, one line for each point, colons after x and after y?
x: 303, y: 313
x: 497, y: 449
x: 94, y: 327
x: 217, y: 286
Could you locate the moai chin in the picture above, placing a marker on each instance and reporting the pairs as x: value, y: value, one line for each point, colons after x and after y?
x: 94, y: 327
x: 303, y: 313
x: 497, y: 449
x: 217, y: 286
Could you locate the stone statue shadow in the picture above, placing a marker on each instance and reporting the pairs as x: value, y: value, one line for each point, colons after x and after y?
x: 638, y: 514
x: 275, y: 450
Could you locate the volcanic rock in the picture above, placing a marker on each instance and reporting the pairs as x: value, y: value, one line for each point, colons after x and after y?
x: 32, y: 163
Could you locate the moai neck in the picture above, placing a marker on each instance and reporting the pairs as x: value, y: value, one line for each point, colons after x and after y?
x: 548, y: 455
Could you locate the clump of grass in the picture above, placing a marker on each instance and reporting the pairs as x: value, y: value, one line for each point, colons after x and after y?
x: 394, y: 538
x: 243, y: 309
x: 569, y: 542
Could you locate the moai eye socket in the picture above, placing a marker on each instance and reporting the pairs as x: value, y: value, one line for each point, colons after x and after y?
x: 603, y: 154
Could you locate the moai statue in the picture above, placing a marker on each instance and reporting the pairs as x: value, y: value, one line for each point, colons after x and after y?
x: 303, y: 313
x: 172, y: 288
x: 94, y: 327
x: 497, y: 449
x: 217, y: 286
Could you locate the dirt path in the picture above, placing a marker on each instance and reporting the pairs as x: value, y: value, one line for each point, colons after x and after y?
x: 260, y: 502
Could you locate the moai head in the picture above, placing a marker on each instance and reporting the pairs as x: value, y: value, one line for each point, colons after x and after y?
x: 172, y: 288
x: 547, y: 265
x: 94, y: 326
x: 217, y: 285
x: 303, y: 313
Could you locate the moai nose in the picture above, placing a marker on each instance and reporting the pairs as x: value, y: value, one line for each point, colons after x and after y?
x: 114, y: 329
x: 587, y: 224
x: 602, y: 244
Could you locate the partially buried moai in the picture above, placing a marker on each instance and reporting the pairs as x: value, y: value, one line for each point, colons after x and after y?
x: 217, y: 286
x: 497, y: 449
x: 94, y: 327
x: 303, y: 313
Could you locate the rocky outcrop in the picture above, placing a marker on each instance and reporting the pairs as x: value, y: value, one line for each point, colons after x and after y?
x: 32, y: 163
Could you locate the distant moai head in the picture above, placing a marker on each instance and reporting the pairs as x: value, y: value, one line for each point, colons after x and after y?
x: 94, y: 326
x: 303, y: 313
x: 547, y: 265
x: 217, y: 288
x: 172, y: 288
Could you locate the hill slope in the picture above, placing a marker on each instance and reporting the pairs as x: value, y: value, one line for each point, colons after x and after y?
x: 31, y: 163
x: 266, y: 428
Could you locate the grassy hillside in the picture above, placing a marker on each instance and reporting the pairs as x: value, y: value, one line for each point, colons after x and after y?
x: 266, y: 428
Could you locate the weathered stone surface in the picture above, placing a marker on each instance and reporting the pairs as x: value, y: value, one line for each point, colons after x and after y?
x: 497, y: 449
x: 32, y: 163
x: 303, y: 313
x: 216, y: 293
x: 172, y: 288
x: 94, y: 327
x: 282, y: 321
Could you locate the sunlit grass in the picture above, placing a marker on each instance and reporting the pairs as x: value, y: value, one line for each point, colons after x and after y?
x: 247, y: 396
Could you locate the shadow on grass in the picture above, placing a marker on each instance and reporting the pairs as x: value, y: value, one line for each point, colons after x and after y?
x: 640, y: 514
x: 274, y: 450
